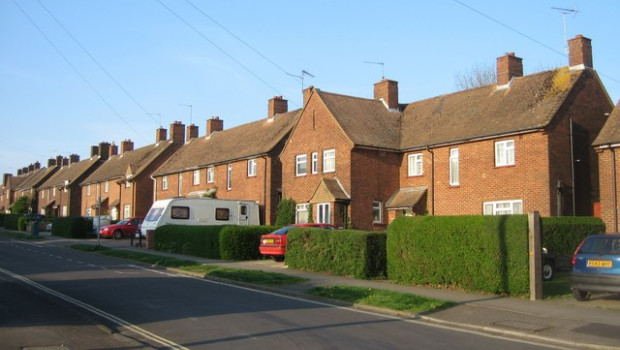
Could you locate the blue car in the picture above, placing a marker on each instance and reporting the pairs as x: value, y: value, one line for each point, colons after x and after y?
x: 596, y: 266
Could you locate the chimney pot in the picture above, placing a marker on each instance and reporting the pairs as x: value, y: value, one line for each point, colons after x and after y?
x: 59, y: 160
x: 161, y: 134
x: 126, y: 146
x: 580, y: 52
x: 177, y: 132
x: 214, y: 124
x: 104, y: 150
x: 74, y: 158
x: 508, y: 66
x: 51, y: 162
x: 192, y: 132
x: 388, y: 91
x: 113, y: 149
x: 276, y: 105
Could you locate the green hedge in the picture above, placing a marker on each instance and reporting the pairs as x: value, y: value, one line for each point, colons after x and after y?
x: 201, y: 241
x: 212, y: 242
x: 476, y: 253
x: 342, y: 252
x: 562, y: 235
x: 72, y: 227
x: 241, y: 242
x: 11, y: 221
x: 2, y: 215
x: 22, y: 222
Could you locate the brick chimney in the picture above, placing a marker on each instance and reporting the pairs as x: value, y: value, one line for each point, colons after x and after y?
x: 59, y: 160
x: 30, y: 168
x: 161, y: 134
x: 65, y: 161
x: 214, y: 124
x: 277, y: 105
x: 192, y: 132
x: 508, y: 66
x: 580, y: 52
x: 94, y: 151
x: 74, y: 158
x: 51, y: 162
x: 307, y: 92
x: 19, y: 172
x: 388, y: 91
x: 177, y: 132
x: 104, y: 150
x: 127, y: 145
x: 5, y: 179
x: 37, y: 165
x: 113, y: 150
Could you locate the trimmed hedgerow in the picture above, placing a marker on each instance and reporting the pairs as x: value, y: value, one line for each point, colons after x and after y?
x: 477, y: 253
x: 11, y: 221
x: 241, y: 242
x: 72, y: 227
x: 201, y: 241
x: 343, y: 252
x: 562, y: 235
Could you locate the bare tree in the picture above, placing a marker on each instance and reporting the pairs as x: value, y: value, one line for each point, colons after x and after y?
x: 477, y: 76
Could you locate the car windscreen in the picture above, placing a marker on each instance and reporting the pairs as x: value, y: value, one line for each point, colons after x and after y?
x: 154, y: 214
x: 601, y: 245
x: 281, y: 231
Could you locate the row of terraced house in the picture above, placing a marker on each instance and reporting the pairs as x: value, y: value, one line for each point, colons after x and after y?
x: 543, y: 142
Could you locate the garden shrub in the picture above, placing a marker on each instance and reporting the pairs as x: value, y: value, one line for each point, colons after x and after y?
x: 241, y: 242
x: 72, y: 227
x: 561, y: 235
x: 201, y: 241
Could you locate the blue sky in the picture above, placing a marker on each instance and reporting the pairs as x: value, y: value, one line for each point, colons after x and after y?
x: 76, y: 73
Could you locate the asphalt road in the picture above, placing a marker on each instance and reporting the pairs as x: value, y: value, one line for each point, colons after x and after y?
x: 89, y: 301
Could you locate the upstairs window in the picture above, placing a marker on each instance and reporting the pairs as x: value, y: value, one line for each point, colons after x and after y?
x: 210, y: 174
x: 196, y: 177
x: 229, y: 177
x: 301, y: 165
x: 504, y: 153
x: 315, y: 162
x: 252, y: 167
x: 329, y: 161
x: 106, y: 187
x: 164, y: 182
x: 454, y: 167
x: 415, y: 165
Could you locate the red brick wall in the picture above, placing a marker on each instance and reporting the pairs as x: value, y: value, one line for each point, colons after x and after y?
x: 608, y: 210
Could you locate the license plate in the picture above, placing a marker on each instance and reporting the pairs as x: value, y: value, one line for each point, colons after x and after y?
x: 268, y: 241
x: 599, y: 263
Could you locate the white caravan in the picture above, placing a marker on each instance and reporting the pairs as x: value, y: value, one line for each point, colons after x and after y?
x: 200, y: 211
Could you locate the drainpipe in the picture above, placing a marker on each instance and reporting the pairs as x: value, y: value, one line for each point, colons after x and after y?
x: 572, y: 163
x: 429, y: 150
x: 615, y: 186
x: 265, y: 191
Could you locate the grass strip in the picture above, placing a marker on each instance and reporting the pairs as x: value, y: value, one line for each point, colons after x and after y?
x: 240, y: 275
x: 22, y: 236
x: 558, y: 288
x: 381, y: 298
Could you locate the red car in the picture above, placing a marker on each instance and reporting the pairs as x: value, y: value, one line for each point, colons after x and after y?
x: 274, y: 243
x: 123, y: 228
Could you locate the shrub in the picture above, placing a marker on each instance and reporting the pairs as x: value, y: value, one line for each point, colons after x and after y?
x: 11, y: 221
x: 241, y: 242
x: 21, y: 205
x: 22, y: 222
x: 562, y: 235
x: 72, y: 227
x: 201, y: 241
x: 477, y: 253
x: 343, y: 252
x: 286, y: 212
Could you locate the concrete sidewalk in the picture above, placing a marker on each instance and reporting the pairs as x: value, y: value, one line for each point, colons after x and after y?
x: 564, y: 322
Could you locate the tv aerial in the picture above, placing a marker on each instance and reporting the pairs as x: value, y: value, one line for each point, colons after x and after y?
x: 565, y: 12
x: 301, y: 76
x: 379, y: 64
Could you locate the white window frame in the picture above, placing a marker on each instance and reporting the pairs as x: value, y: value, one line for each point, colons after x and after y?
x: 229, y: 177
x: 504, y: 153
x: 126, y: 211
x: 415, y: 164
x: 88, y: 212
x: 507, y: 207
x: 88, y: 190
x: 210, y: 174
x: 164, y: 182
x: 196, y: 177
x: 106, y: 187
x: 301, y: 160
x: 454, y: 167
x: 324, y: 213
x: 302, y: 213
x: 251, y: 167
x: 127, y: 184
x: 315, y: 163
x: 377, y: 212
x: 329, y: 161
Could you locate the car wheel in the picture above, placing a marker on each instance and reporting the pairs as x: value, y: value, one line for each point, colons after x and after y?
x: 118, y: 234
x: 548, y: 271
x: 581, y: 295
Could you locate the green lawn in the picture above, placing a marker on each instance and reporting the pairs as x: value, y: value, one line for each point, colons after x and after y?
x: 559, y: 287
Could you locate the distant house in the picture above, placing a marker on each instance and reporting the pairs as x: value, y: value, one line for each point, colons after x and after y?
x: 238, y: 163
x: 122, y: 186
x: 607, y: 145
x: 24, y: 184
x: 61, y: 194
x: 519, y: 145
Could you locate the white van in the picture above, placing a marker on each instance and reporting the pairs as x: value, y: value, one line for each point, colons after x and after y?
x: 200, y: 211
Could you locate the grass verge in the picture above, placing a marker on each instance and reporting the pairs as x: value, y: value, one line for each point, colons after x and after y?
x: 247, y: 276
x: 381, y: 298
x: 22, y: 236
x: 558, y: 288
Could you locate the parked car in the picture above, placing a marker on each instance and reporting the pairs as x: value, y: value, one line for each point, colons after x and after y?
x: 100, y: 221
x: 596, y: 266
x: 123, y: 228
x: 548, y: 265
x: 274, y: 244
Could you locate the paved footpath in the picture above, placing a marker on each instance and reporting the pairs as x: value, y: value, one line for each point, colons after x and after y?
x: 564, y: 322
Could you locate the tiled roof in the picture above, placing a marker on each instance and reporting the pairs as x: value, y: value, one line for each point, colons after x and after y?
x: 405, y: 197
x: 71, y: 173
x: 116, y: 166
x: 610, y: 134
x: 367, y: 122
x: 247, y: 140
x: 530, y: 102
x: 34, y: 178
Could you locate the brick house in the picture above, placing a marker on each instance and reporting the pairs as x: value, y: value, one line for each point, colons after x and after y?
x: 238, y: 163
x: 606, y: 146
x: 122, y: 186
x: 25, y: 183
x: 498, y: 149
x: 61, y: 194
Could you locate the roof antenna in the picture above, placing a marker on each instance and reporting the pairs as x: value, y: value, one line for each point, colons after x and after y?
x: 564, y: 12
x: 301, y: 77
x: 157, y: 114
x: 191, y: 109
x: 382, y: 67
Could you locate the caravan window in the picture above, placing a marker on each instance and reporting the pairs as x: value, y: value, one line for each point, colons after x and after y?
x: 244, y: 210
x: 222, y: 214
x: 154, y: 214
x: 179, y: 213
